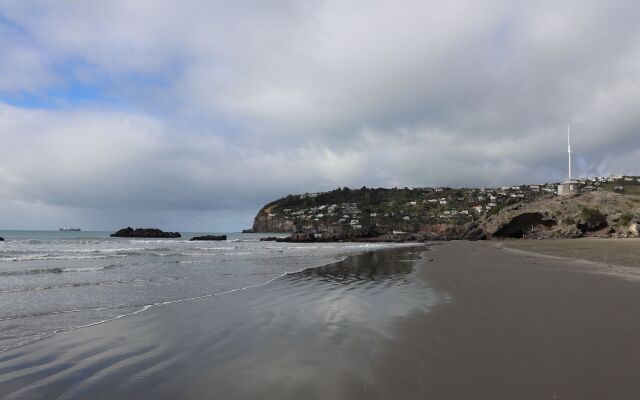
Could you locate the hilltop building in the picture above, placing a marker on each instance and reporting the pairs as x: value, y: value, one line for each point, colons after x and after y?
x: 569, y: 186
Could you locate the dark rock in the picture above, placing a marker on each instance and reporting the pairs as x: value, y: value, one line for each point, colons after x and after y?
x: 247, y: 230
x: 209, y: 237
x: 1, y: 239
x: 522, y: 224
x: 303, y: 237
x: 270, y: 239
x: 591, y: 219
x: 145, y: 233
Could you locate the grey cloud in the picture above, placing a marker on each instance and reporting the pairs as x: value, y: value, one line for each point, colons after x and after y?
x: 223, y: 106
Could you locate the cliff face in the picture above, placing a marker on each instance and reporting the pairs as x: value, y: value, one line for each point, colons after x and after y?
x: 599, y: 214
x: 266, y: 221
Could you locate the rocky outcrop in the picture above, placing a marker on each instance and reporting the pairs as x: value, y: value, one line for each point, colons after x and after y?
x: 1, y: 239
x: 520, y: 224
x: 209, y: 237
x: 634, y: 230
x: 145, y: 233
x: 310, y: 237
x: 299, y: 237
x: 603, y: 214
x: 436, y: 228
x: 266, y: 221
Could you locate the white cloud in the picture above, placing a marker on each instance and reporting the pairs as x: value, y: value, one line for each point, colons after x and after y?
x: 222, y: 106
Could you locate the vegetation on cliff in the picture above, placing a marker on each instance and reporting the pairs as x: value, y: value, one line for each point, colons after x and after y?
x: 607, y: 208
x: 353, y: 211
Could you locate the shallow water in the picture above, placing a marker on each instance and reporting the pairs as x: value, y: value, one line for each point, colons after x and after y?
x: 309, y: 334
x: 56, y: 281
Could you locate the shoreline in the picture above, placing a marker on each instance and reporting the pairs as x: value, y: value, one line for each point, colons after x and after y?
x: 336, y: 308
x: 142, y: 308
x: 605, y: 258
x: 452, y: 321
x: 517, y: 326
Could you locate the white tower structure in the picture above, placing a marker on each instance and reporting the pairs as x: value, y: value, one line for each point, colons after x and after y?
x: 569, y: 186
x: 569, y: 147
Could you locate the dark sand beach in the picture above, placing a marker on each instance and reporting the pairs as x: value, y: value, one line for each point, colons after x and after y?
x: 612, y: 256
x: 466, y: 320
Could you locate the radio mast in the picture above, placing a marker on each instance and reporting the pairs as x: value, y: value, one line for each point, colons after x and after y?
x: 569, y: 147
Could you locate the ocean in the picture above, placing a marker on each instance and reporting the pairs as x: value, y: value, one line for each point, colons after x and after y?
x: 53, y: 281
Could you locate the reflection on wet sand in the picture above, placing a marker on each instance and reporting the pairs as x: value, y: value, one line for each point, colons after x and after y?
x: 310, y: 334
x: 382, y: 266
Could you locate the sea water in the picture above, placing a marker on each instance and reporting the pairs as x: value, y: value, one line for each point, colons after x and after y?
x: 58, y: 281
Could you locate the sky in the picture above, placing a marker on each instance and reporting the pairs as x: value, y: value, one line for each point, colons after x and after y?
x: 190, y: 115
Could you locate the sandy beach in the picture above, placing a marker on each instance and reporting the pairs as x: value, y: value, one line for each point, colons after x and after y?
x: 462, y: 320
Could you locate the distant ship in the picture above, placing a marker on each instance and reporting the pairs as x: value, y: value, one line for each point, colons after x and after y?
x: 69, y: 229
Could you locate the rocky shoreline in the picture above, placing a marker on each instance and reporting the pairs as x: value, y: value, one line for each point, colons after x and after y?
x: 310, y: 237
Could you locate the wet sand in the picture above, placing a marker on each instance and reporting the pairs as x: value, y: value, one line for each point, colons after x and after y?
x: 620, y: 252
x: 518, y: 327
x: 467, y: 320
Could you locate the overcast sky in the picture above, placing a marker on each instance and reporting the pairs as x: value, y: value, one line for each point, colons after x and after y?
x: 190, y: 115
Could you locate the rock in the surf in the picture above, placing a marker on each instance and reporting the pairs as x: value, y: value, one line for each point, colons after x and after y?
x: 145, y: 233
x: 209, y: 237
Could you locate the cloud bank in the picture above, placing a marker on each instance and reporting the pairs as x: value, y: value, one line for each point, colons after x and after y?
x: 194, y: 114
